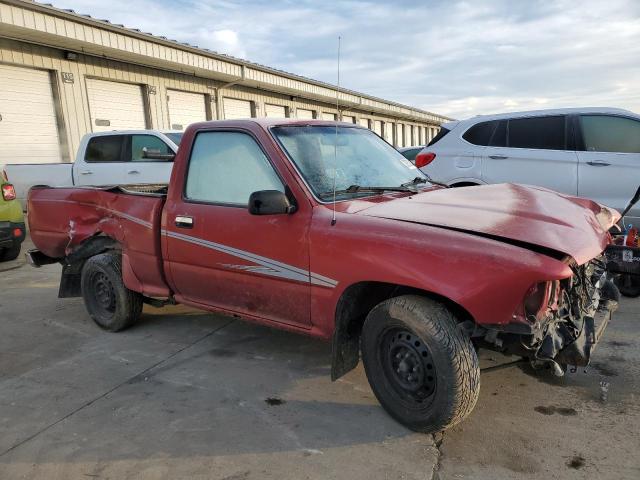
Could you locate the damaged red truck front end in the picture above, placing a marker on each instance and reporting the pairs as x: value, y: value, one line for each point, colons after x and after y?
x: 410, y: 277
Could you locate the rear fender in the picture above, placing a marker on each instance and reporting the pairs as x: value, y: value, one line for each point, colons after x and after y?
x: 73, y: 263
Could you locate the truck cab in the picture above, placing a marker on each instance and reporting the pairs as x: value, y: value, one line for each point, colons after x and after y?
x: 126, y: 157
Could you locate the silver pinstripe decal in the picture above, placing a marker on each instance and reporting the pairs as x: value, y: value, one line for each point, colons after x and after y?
x: 266, y: 266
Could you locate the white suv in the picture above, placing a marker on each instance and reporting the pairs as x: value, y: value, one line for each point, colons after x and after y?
x: 589, y: 152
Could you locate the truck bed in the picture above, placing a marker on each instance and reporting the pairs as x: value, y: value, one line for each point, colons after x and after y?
x: 24, y: 176
x: 62, y: 218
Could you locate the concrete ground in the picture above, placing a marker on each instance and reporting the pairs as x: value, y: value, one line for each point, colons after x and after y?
x: 187, y: 394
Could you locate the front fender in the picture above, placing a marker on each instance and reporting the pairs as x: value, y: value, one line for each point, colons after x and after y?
x: 486, y: 277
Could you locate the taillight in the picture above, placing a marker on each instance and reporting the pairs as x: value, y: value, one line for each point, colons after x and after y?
x: 424, y: 158
x: 8, y: 192
x: 17, y: 232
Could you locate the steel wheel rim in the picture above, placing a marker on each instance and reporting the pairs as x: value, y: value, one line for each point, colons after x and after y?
x: 408, y: 365
x: 103, y: 294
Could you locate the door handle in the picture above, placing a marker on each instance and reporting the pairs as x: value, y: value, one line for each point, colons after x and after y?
x: 133, y: 172
x: 86, y: 172
x: 598, y: 163
x: 184, y: 222
x: 498, y: 157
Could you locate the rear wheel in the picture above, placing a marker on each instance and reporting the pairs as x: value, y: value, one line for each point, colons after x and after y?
x: 10, y: 253
x: 423, y: 370
x: 110, y: 304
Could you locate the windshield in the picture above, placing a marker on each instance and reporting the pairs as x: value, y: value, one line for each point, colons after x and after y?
x: 175, y: 137
x: 363, y: 159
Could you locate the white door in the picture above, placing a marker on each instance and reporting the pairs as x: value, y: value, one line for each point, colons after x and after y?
x: 275, y: 111
x: 377, y: 127
x: 349, y: 119
x: 185, y: 108
x: 534, y: 153
x: 364, y: 122
x: 234, y: 108
x: 115, y: 106
x: 609, y: 165
x: 28, y: 127
x: 328, y: 116
x: 304, y: 114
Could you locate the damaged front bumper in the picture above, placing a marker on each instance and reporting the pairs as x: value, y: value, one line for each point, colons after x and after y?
x: 568, y: 324
x: 579, y: 351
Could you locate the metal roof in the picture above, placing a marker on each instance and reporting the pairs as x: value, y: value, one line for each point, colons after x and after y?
x: 134, y: 32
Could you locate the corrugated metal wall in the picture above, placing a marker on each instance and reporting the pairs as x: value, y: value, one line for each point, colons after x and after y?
x: 70, y: 91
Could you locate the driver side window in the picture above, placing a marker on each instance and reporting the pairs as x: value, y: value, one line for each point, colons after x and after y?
x: 227, y: 167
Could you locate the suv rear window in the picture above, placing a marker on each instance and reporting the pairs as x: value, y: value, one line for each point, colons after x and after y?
x: 443, y: 131
x: 546, y: 133
x: 480, y: 133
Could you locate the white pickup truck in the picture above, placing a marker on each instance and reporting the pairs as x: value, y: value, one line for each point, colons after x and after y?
x: 105, y: 158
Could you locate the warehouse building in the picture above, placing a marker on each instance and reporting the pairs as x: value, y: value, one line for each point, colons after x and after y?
x: 63, y: 75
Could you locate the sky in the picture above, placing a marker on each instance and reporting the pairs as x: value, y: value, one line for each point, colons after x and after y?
x: 457, y: 58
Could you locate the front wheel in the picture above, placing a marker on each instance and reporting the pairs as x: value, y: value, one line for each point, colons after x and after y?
x: 423, y: 370
x: 110, y: 304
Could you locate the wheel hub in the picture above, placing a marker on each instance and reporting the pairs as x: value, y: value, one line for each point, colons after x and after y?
x: 104, y: 293
x: 408, y: 364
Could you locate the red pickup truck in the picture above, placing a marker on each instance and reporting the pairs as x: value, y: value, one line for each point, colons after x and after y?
x: 322, y: 228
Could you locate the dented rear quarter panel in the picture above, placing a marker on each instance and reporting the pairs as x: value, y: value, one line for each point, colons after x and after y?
x: 60, y: 219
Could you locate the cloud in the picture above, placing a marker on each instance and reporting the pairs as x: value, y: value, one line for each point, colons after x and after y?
x: 458, y: 58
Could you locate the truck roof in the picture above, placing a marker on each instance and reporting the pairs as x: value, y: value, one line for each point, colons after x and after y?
x: 274, y: 122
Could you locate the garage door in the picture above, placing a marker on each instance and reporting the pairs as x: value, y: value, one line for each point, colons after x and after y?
x: 377, y: 127
x: 234, y: 108
x: 28, y: 127
x: 328, y: 116
x: 348, y: 119
x: 364, y: 122
x: 185, y: 108
x: 115, y: 106
x: 304, y: 114
x: 275, y: 111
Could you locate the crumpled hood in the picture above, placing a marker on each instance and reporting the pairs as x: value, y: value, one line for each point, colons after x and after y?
x: 532, y: 215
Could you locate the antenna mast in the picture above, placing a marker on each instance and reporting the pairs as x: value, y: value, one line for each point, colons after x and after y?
x: 335, y: 145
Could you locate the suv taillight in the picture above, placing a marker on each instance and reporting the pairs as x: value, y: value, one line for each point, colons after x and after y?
x: 424, y: 158
x: 8, y: 192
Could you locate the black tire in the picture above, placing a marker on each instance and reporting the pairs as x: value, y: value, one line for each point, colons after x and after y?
x: 629, y: 285
x: 110, y: 304
x: 436, y: 382
x: 11, y: 253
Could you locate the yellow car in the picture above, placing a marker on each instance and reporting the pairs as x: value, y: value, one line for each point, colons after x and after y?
x: 12, y: 229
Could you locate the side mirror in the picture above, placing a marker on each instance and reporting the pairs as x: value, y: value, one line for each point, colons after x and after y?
x: 270, y: 202
x: 154, y: 154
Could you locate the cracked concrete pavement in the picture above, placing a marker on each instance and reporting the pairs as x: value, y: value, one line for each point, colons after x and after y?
x: 188, y: 394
